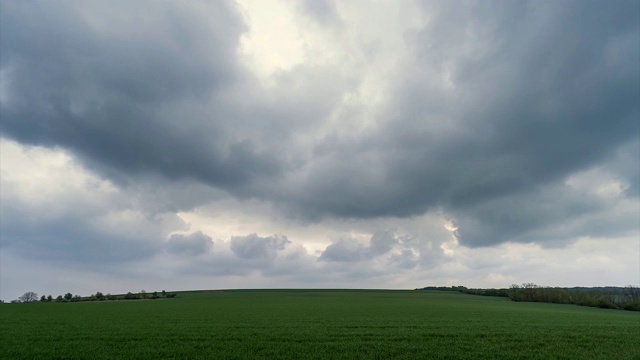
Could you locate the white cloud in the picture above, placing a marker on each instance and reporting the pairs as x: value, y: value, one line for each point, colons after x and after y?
x: 273, y: 42
x: 55, y: 210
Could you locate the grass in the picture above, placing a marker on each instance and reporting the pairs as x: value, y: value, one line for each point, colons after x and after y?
x: 317, y: 324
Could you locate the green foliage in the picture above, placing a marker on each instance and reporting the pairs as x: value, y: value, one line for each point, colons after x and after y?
x: 606, y: 298
x: 465, y: 290
x: 318, y: 324
x: 633, y: 306
x: 131, y: 296
x: 98, y: 296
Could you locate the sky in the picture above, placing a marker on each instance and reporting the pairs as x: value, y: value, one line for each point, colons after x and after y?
x: 318, y: 144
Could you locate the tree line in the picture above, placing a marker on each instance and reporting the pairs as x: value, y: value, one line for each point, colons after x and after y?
x: 31, y: 296
x: 610, y: 297
x: 626, y: 298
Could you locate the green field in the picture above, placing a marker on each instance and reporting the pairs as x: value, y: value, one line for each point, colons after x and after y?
x: 318, y: 324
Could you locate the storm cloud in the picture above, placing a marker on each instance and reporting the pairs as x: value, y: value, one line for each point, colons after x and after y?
x: 352, y: 250
x: 253, y: 246
x: 502, y: 109
x: 126, y: 95
x: 192, y: 244
x: 500, y: 122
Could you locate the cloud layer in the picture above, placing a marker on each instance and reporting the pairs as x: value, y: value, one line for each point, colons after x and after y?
x: 498, y: 122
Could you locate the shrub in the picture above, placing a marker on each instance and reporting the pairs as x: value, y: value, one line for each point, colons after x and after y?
x: 606, y: 304
x: 131, y: 296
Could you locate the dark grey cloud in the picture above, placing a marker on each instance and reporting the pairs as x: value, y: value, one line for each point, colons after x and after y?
x: 344, y: 250
x: 139, y: 95
x: 72, y: 238
x: 248, y: 255
x: 538, y: 91
x: 278, y: 262
x: 497, y: 104
x: 254, y: 247
x: 406, y: 259
x: 625, y: 165
x: 382, y: 242
x: 520, y: 216
x: 322, y: 11
x: 192, y: 244
x: 350, y: 250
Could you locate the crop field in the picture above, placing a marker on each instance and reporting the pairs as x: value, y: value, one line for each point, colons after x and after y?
x: 317, y: 324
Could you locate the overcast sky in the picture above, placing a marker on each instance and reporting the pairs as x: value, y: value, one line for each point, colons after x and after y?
x: 318, y: 144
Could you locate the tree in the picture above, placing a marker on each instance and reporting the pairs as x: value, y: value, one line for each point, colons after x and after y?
x: 68, y: 296
x: 29, y: 296
x: 49, y: 298
x: 633, y: 292
x: 43, y: 298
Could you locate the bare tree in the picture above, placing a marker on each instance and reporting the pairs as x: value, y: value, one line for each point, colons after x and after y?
x: 29, y: 296
x: 633, y: 292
